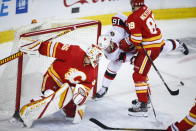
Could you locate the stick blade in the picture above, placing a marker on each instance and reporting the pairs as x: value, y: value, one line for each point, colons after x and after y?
x: 174, y: 93
x: 99, y: 123
x: 95, y: 121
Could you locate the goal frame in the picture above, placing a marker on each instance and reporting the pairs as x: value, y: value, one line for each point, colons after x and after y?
x: 45, y: 31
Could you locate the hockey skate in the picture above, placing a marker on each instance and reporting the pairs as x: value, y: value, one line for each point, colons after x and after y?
x: 139, y: 109
x: 134, y: 102
x: 101, y: 92
x: 183, y: 48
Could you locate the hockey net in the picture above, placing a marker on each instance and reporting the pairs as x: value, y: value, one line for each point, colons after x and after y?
x: 21, y: 77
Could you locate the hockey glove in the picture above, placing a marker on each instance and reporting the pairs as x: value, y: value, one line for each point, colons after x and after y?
x: 111, y: 48
x: 31, y: 48
x: 125, y: 45
x: 79, y: 94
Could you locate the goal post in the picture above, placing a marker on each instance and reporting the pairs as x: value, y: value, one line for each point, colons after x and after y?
x: 82, y: 33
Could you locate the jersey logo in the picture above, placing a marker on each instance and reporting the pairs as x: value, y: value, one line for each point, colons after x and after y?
x: 75, y: 76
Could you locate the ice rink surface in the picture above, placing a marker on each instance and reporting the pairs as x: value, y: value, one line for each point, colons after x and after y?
x: 113, y: 108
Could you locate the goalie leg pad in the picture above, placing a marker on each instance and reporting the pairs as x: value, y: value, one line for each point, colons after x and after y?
x: 46, y: 94
x: 46, y: 106
x: 79, y: 114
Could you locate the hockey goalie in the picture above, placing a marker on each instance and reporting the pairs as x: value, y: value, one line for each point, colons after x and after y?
x: 66, y: 84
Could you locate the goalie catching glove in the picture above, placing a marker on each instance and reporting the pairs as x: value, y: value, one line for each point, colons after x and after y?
x: 30, y: 48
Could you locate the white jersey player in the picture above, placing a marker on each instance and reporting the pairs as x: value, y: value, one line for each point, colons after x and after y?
x: 110, y: 41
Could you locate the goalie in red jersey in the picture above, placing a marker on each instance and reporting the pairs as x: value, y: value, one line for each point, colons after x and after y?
x: 147, y: 38
x: 66, y: 84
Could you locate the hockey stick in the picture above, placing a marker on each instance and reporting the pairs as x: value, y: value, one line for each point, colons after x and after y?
x: 180, y: 82
x: 155, y: 115
x: 19, y: 53
x: 103, y: 126
x: 176, y: 92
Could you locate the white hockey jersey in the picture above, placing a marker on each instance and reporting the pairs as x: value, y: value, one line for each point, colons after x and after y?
x: 117, y: 33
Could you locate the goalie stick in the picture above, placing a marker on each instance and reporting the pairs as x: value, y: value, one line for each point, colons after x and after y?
x: 100, y: 124
x: 173, y: 93
x: 19, y: 53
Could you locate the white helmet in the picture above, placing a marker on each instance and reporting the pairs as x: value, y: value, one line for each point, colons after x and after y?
x: 104, y: 41
x: 94, y: 52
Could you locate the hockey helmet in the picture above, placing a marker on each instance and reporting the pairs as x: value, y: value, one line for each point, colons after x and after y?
x: 104, y: 41
x: 94, y: 53
x: 137, y: 3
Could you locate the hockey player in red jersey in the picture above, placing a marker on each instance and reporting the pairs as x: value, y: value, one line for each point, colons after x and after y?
x: 117, y: 57
x: 145, y: 35
x: 66, y: 84
x: 187, y: 123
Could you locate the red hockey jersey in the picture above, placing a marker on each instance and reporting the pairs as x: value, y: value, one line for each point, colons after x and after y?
x: 143, y: 28
x: 68, y: 67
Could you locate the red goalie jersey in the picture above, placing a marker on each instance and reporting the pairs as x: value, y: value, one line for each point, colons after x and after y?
x: 143, y: 29
x: 69, y: 65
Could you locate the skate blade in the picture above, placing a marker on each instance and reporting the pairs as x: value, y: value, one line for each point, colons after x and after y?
x: 138, y: 114
x: 97, y: 99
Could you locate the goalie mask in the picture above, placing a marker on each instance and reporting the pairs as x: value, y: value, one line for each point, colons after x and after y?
x: 94, y: 53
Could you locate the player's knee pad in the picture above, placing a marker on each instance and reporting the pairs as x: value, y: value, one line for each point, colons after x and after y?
x: 79, y: 94
x: 139, y: 77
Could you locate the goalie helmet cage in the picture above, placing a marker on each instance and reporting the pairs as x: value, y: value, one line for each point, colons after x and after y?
x: 80, y: 32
